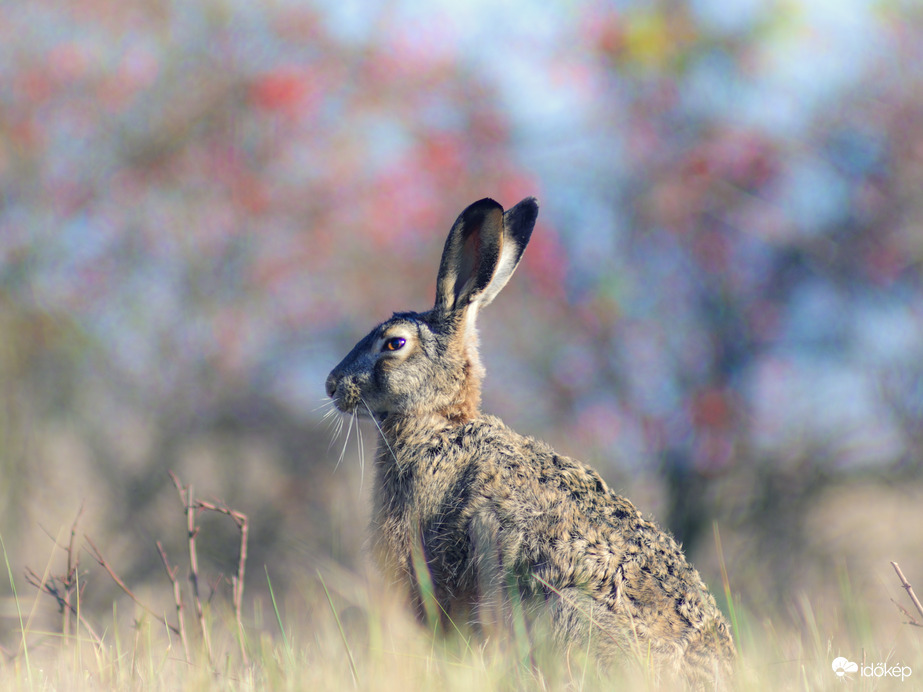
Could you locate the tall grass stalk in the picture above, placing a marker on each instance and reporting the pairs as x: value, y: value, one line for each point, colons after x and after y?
x: 275, y: 609
x: 726, y: 583
x: 22, y: 626
x: 349, y: 653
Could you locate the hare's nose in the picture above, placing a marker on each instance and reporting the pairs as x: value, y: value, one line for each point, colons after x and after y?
x: 331, y: 386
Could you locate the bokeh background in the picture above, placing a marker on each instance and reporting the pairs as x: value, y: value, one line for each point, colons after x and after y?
x: 203, y: 205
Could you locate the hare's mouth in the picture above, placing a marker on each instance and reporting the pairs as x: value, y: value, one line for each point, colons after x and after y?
x: 362, y: 411
x: 353, y: 407
x: 350, y: 408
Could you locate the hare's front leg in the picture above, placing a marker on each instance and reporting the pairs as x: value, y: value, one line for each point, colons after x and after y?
x: 505, y: 603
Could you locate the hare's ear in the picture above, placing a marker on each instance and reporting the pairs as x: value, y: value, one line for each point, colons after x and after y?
x: 482, y: 251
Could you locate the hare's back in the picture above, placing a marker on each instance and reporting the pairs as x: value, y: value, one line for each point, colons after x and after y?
x: 568, y: 521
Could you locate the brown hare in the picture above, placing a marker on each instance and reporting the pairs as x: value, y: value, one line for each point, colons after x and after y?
x: 486, y: 510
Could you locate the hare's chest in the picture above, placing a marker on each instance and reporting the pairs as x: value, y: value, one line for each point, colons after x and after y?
x: 424, y: 511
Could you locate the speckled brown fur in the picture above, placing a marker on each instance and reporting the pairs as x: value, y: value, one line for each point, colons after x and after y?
x: 485, y: 504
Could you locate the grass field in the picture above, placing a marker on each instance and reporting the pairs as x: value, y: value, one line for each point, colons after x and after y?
x: 341, y: 630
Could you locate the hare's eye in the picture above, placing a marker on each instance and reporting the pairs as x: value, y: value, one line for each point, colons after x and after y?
x: 395, y: 343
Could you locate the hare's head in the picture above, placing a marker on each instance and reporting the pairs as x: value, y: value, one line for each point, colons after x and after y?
x: 426, y: 363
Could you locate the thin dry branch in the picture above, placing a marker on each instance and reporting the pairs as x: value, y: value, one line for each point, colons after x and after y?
x: 187, y: 497
x: 52, y: 590
x: 98, y: 556
x: 213, y: 586
x: 913, y: 597
x: 64, y: 587
x: 911, y: 620
x: 237, y: 582
x: 69, y: 579
x: 177, y: 598
x: 69, y: 582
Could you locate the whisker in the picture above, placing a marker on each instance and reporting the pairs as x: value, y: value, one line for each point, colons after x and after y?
x: 380, y: 431
x: 337, y: 424
x: 361, y: 445
x: 326, y: 401
x: 333, y: 423
x: 330, y: 415
x: 349, y: 429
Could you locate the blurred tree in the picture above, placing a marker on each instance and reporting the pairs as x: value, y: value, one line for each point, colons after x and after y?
x: 196, y: 204
x: 752, y: 245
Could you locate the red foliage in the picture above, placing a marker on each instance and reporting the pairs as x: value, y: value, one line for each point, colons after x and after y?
x: 285, y: 89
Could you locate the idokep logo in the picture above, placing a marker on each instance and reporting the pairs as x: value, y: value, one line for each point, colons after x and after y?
x: 842, y: 666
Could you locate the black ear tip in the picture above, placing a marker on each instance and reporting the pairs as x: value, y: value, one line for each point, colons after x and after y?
x: 530, y: 204
x: 482, y: 206
x: 524, y: 214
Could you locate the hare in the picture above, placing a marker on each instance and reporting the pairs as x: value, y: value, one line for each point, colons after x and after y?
x: 486, y: 511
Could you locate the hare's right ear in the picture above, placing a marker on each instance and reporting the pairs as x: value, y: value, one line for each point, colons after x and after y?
x: 482, y: 251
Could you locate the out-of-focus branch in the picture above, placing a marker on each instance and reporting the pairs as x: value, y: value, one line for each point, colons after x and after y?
x: 237, y: 582
x: 177, y: 597
x: 98, y: 556
x: 49, y: 587
x: 913, y: 598
x: 187, y: 497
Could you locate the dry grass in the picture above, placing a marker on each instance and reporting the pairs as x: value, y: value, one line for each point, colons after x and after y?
x: 378, y: 648
x: 336, y: 629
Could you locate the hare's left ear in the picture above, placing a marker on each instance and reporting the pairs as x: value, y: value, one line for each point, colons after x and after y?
x: 482, y: 252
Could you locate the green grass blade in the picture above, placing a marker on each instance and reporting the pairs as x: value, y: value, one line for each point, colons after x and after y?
x: 22, y: 627
x: 275, y: 609
x: 349, y: 653
x: 726, y: 583
x: 425, y: 585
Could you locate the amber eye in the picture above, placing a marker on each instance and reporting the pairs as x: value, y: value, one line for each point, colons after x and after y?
x: 395, y: 343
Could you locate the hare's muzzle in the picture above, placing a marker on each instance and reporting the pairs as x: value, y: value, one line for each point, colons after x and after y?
x: 344, y: 392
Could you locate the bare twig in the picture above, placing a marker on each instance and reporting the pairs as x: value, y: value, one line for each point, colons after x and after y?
x: 98, y: 556
x: 213, y: 586
x: 911, y: 594
x: 237, y: 582
x: 187, y: 497
x: 50, y: 588
x: 911, y: 620
x: 69, y: 582
x: 177, y: 597
x: 64, y: 588
x: 69, y: 579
